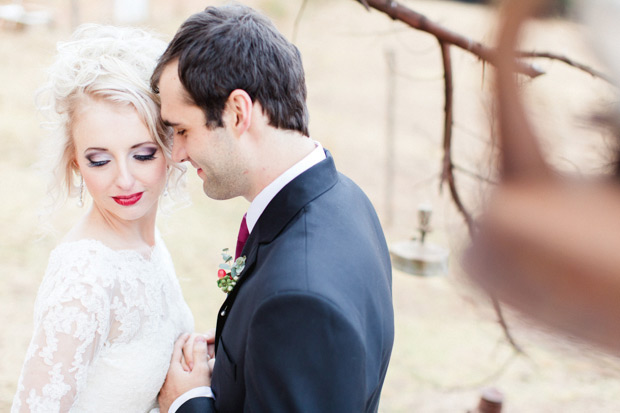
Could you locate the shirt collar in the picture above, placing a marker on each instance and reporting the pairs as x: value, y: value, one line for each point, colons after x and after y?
x: 265, y: 196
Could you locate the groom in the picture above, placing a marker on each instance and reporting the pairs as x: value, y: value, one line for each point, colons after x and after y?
x: 309, y: 326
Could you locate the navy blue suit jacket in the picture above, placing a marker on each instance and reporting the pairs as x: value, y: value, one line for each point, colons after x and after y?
x: 309, y: 326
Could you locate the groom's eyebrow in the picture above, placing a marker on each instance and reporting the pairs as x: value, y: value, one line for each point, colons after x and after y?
x: 168, y: 123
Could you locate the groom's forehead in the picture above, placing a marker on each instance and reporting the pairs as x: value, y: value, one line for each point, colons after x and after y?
x: 171, y: 90
x: 169, y: 78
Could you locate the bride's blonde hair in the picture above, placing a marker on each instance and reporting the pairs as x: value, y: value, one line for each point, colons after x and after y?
x: 101, y: 62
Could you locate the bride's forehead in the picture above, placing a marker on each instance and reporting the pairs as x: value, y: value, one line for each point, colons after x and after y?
x: 107, y: 124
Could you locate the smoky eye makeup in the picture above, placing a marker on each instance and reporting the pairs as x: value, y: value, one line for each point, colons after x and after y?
x: 97, y: 159
x: 146, y: 153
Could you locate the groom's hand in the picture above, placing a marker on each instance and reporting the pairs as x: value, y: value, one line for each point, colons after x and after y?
x: 188, y: 349
x: 179, y: 381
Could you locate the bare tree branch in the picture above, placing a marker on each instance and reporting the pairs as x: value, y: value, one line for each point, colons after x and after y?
x: 447, y: 170
x: 448, y: 174
x: 420, y: 22
x: 300, y: 13
x: 502, y: 322
x: 473, y: 174
x: 446, y: 38
x: 568, y: 61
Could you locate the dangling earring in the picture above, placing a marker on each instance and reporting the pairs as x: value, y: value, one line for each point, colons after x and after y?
x: 166, y: 187
x: 80, y: 201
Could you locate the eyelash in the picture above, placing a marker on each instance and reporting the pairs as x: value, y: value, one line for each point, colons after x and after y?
x: 181, y: 132
x: 92, y: 164
x: 144, y: 158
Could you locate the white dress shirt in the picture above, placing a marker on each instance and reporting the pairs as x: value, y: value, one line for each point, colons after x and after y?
x: 265, y: 196
x: 255, y: 210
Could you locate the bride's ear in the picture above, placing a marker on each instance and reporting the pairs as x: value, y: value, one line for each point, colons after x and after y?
x: 239, y: 107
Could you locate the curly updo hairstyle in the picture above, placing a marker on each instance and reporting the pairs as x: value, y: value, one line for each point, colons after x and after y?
x: 107, y: 63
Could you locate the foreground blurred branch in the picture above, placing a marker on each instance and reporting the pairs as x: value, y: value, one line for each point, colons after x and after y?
x: 447, y: 38
x: 547, y: 243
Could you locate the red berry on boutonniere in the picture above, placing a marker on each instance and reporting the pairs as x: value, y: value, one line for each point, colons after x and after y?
x: 221, y: 273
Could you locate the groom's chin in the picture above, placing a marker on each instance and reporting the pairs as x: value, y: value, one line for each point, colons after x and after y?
x: 218, y: 194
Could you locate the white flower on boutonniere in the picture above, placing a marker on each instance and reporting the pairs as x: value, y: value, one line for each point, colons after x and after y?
x: 228, y: 274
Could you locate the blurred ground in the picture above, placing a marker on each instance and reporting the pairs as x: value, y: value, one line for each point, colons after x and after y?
x: 448, y: 344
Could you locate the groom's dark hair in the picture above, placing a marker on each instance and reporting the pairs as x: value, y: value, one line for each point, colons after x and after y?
x: 234, y: 47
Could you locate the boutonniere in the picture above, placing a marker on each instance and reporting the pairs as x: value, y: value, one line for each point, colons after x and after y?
x: 228, y: 274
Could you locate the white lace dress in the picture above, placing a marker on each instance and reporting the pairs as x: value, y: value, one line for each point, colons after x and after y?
x: 105, y: 322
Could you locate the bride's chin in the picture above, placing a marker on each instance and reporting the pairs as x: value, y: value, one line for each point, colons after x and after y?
x: 117, y: 214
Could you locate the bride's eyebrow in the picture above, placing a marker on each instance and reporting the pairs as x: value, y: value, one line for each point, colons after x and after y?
x: 95, y: 149
x: 144, y: 143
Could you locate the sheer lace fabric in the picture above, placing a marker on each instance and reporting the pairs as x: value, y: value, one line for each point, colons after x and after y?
x: 105, y: 322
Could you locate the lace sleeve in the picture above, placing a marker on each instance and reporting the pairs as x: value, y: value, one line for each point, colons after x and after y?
x: 72, y: 319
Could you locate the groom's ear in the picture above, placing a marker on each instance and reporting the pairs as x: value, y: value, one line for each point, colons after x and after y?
x: 239, y: 108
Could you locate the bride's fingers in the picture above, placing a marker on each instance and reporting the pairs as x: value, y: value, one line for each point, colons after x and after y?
x: 188, y: 351
x: 177, y: 352
x: 185, y: 365
x: 188, y: 348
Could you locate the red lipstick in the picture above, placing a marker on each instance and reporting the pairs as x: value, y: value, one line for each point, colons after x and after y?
x: 128, y: 200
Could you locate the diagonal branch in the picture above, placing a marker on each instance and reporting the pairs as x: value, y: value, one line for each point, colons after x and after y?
x: 420, y: 22
x: 568, y: 61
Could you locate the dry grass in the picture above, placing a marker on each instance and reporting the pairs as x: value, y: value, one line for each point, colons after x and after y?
x: 447, y: 342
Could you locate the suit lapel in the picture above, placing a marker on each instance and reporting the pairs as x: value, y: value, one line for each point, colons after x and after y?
x: 250, y: 250
x: 280, y: 211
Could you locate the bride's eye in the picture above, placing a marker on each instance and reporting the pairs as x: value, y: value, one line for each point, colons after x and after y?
x: 95, y: 161
x: 148, y: 155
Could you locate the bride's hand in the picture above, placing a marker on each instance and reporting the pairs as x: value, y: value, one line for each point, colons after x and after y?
x: 188, y: 349
x: 179, y: 381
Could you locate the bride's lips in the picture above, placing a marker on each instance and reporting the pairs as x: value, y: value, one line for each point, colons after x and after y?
x: 127, y: 200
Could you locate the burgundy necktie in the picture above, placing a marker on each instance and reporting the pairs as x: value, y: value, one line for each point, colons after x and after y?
x: 242, y: 237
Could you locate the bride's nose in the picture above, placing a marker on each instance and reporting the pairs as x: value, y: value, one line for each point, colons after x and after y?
x: 124, y: 176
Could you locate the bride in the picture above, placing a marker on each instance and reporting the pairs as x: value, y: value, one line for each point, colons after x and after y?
x: 109, y: 308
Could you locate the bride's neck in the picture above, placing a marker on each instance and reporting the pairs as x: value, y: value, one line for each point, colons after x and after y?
x: 138, y: 234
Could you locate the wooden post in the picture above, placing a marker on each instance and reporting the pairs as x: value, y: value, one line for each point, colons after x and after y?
x: 491, y: 401
x: 75, y: 14
x: 390, y: 57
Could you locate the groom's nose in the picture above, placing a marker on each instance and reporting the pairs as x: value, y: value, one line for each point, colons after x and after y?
x: 178, y: 149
